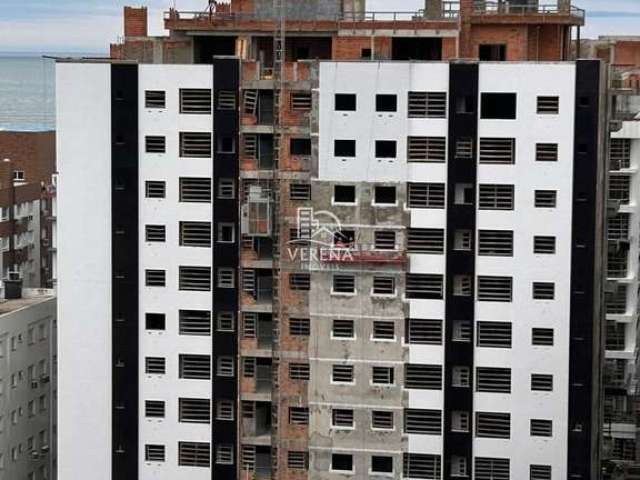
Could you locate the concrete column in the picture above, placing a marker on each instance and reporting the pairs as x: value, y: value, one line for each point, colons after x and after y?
x: 433, y: 9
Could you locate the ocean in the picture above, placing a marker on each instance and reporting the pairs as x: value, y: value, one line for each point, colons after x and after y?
x: 27, y: 91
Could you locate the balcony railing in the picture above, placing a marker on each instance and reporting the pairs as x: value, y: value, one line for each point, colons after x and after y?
x: 507, y: 7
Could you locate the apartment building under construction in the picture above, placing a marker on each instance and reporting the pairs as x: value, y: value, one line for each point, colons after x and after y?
x: 340, y: 244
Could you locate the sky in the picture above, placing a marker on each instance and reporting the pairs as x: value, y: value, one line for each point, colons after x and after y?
x: 90, y: 25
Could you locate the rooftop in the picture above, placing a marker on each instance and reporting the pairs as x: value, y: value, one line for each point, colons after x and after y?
x: 32, y: 297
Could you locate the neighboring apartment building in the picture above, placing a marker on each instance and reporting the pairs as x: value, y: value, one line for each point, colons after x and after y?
x: 333, y: 262
x: 27, y: 163
x: 28, y: 386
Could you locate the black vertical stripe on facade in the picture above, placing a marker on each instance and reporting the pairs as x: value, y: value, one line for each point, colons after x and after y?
x: 463, y: 124
x: 124, y: 260
x: 586, y: 272
x: 226, y: 124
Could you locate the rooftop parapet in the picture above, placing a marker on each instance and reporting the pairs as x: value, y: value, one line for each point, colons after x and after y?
x: 504, y: 11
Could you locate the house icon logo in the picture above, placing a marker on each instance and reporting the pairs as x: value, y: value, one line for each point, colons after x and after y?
x: 321, y: 227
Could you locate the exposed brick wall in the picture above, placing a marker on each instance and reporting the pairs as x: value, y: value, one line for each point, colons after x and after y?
x: 514, y: 36
x: 449, y: 48
x: 627, y: 53
x: 31, y: 152
x: 242, y: 6
x: 135, y: 22
x: 350, y: 48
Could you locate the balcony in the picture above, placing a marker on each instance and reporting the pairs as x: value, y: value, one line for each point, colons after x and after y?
x: 528, y: 11
x: 256, y: 422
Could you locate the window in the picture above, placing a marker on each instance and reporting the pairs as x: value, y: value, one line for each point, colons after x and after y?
x: 155, y: 189
x: 155, y: 278
x: 492, y: 468
x: 345, y: 102
x: 153, y: 453
x: 384, y: 195
x: 344, y: 194
x: 618, y: 226
x: 423, y: 422
x: 298, y: 415
x: 299, y: 281
x: 385, y: 149
x: 154, y: 408
x: 194, y: 410
x: 619, y: 188
x: 384, y: 285
x: 492, y: 52
x: 420, y: 465
x: 494, y: 334
x: 541, y: 382
x: 155, y: 233
x: 383, y: 330
x: 464, y: 194
x: 341, y: 462
x: 300, y: 146
x: 299, y: 327
x: 381, y: 464
x: 386, y: 103
x: 493, y: 380
x: 494, y: 289
x: 193, y: 454
x: 225, y: 145
x: 497, y: 151
x: 342, y: 418
x: 546, y: 152
x: 226, y: 321
x: 195, y: 322
x: 225, y: 367
x: 154, y: 365
x: 381, y: 420
x: 300, y: 191
x: 424, y: 286
x: 196, y: 190
x: 224, y: 454
x: 342, y: 374
x: 195, y: 234
x: 616, y: 301
x: 459, y: 421
x: 619, y: 153
x: 541, y: 428
x: 154, y: 144
x: 344, y: 148
x: 195, y: 144
x: 423, y: 377
x: 297, y: 460
x: 544, y: 245
x: 344, y: 284
x: 384, y: 240
x: 427, y: 104
x: 498, y: 106
x: 460, y: 377
x: 426, y: 149
x: 226, y: 100
x: 195, y: 279
x: 496, y: 197
x: 495, y: 243
x: 423, y: 332
x: 493, y: 425
x: 299, y: 371
x: 154, y: 321
x: 548, y: 105
x: 425, y: 195
x: 545, y: 199
x: 300, y: 101
x: 542, y: 337
x: 365, y: 54
x: 249, y: 367
x: 196, y: 367
x: 195, y: 100
x: 464, y: 148
x: 382, y: 376
x: 425, y: 240
x: 226, y: 278
x: 543, y: 290
x: 154, y: 99
x: 226, y: 233
x: 343, y: 329
x: 226, y: 188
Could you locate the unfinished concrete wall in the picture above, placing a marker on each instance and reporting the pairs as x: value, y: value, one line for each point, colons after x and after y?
x: 308, y: 10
